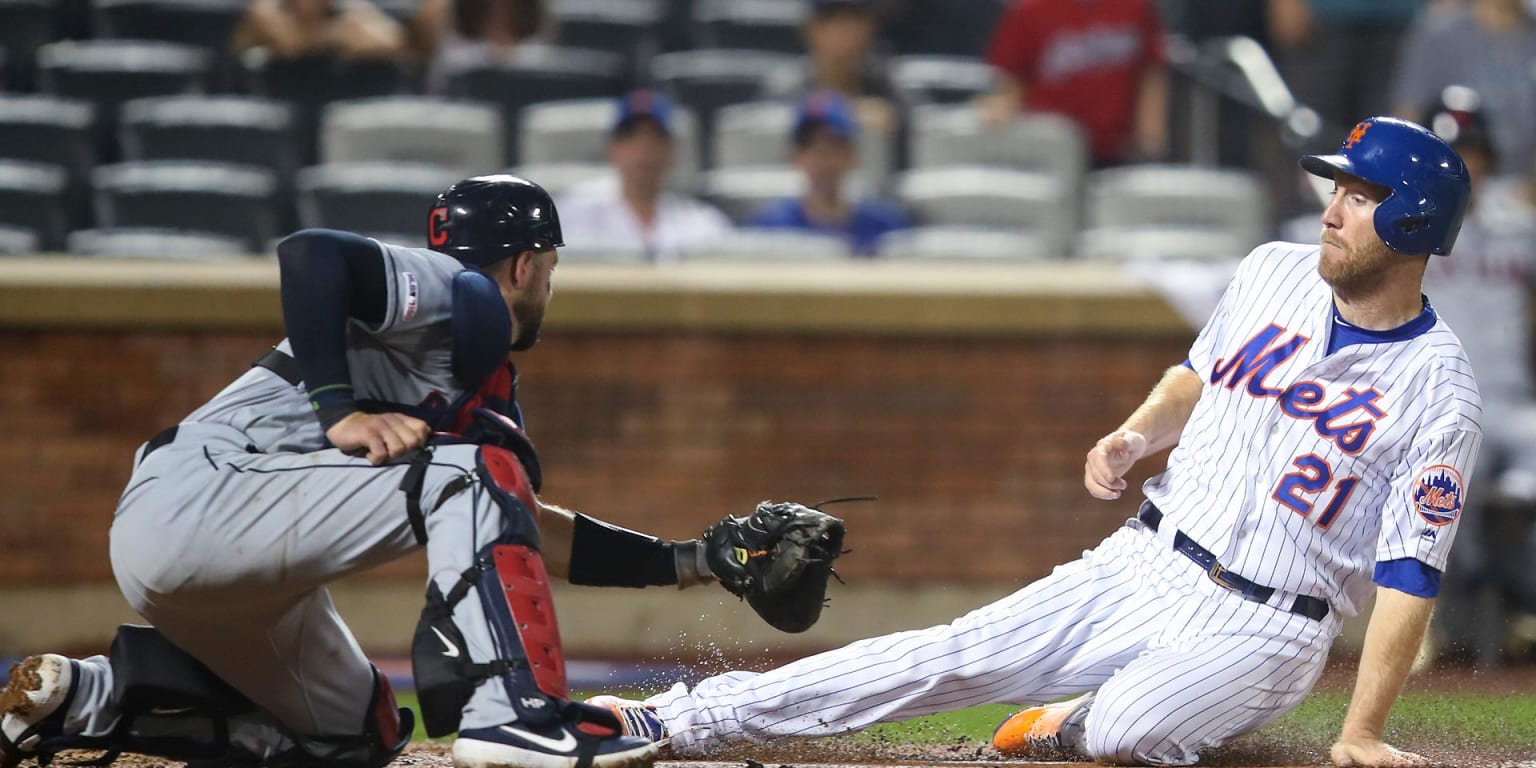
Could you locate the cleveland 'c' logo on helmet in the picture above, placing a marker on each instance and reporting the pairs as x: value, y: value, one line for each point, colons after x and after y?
x: 436, y: 234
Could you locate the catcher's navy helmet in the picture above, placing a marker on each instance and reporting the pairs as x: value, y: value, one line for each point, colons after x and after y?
x: 485, y: 219
x: 1429, y: 184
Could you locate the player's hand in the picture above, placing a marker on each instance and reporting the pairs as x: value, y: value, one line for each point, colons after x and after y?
x: 1110, y: 459
x: 1372, y: 752
x: 381, y: 437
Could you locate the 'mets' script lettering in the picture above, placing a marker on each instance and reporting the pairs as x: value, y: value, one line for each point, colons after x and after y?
x: 1347, y: 420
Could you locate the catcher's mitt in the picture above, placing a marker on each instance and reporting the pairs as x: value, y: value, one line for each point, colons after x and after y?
x: 778, y: 559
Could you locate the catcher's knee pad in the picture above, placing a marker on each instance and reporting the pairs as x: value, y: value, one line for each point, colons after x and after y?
x: 513, y: 586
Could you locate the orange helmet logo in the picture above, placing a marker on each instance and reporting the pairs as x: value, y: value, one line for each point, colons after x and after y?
x: 1357, y: 134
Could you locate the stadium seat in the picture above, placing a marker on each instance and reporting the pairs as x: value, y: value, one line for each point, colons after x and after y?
x: 18, y: 241
x: 171, y: 244
x: 627, y: 28
x: 758, y: 133
x: 110, y: 72
x: 941, y: 79
x: 1225, y: 200
x: 577, y: 132
x: 60, y: 132
x: 220, y: 198
x: 464, y: 136
x: 230, y: 129
x: 740, y: 192
x: 558, y: 178
x: 768, y: 245
x: 32, y: 197
x: 208, y: 24
x: 311, y: 82
x: 25, y: 25
x: 550, y: 74
x: 385, y: 199
x: 962, y: 244
x: 956, y: 135
x: 578, y: 252
x: 990, y: 197
x: 763, y: 25
x: 1161, y: 243
x: 707, y: 80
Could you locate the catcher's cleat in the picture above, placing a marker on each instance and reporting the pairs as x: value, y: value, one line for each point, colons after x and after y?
x: 558, y: 745
x: 639, y: 718
x: 32, y: 705
x: 1048, y: 727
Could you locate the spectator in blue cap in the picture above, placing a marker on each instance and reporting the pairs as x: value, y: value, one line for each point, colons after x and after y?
x: 634, y: 208
x: 824, y: 138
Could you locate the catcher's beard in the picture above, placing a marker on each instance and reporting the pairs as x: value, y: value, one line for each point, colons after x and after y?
x: 528, y: 316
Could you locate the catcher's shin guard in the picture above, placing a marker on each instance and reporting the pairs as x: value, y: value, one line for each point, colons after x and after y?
x: 513, y: 586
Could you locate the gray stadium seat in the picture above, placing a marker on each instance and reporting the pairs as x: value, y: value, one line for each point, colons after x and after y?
x: 546, y: 74
x: 602, y: 253
x: 627, y: 28
x: 25, y: 25
x: 990, y: 197
x: 150, y: 243
x: 110, y: 72
x: 465, y: 136
x: 371, y: 197
x: 941, y: 79
x: 221, y: 198
x: 557, y: 178
x: 758, y: 133
x: 1162, y: 243
x: 60, y: 132
x: 231, y: 129
x: 955, y: 135
x: 576, y: 131
x: 768, y: 245
x: 18, y: 241
x: 965, y: 244
x: 1178, y: 196
x: 311, y: 82
x: 708, y: 79
x: 32, y: 196
x: 765, y: 25
x: 740, y: 192
x: 207, y: 24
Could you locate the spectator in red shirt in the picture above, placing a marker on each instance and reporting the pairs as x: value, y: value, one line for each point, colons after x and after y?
x: 1099, y: 62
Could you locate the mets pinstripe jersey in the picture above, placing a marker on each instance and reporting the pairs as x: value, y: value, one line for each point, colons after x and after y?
x: 1302, y: 469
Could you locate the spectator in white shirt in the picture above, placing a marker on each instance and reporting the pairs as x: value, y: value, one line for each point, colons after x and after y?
x: 635, y: 210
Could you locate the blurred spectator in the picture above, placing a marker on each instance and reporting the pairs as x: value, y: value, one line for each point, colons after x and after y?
x: 464, y: 34
x: 294, y: 29
x: 840, y: 57
x: 952, y: 28
x: 1489, y: 46
x: 635, y: 209
x: 1338, y: 55
x: 824, y: 136
x: 1099, y: 62
x: 1482, y: 291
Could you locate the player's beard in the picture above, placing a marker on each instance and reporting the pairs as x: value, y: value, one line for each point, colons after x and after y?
x: 527, y: 316
x: 1356, y: 270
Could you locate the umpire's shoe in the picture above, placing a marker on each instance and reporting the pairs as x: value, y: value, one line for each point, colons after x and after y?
x: 1037, y: 731
x: 33, y: 705
x: 563, y: 744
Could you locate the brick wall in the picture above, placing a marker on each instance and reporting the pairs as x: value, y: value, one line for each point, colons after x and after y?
x: 974, y: 444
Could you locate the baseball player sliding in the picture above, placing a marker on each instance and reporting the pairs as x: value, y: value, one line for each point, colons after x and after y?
x: 1322, y: 428
x: 386, y: 421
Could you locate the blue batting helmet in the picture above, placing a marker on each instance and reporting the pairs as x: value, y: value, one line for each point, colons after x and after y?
x: 485, y: 219
x: 1429, y: 184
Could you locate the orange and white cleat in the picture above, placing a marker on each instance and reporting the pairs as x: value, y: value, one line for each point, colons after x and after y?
x: 1045, y: 728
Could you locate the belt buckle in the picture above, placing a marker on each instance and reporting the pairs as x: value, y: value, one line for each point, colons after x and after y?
x: 1218, y: 574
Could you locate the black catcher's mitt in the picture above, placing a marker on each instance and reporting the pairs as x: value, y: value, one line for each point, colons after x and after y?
x: 778, y: 559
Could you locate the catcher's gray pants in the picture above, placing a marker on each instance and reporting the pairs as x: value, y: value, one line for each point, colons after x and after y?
x: 1179, y: 663
x: 228, y: 554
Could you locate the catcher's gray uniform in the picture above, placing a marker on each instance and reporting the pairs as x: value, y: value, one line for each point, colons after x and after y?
x: 227, y: 534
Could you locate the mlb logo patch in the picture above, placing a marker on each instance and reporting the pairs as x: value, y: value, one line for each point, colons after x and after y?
x: 412, y: 296
x: 1437, y: 494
